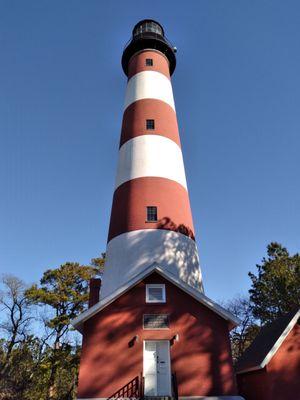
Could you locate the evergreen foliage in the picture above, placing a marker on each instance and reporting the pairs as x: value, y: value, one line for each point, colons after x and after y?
x: 39, y: 357
x: 275, y: 290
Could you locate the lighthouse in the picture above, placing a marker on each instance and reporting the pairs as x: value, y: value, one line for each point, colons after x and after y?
x: 152, y: 332
x: 151, y: 220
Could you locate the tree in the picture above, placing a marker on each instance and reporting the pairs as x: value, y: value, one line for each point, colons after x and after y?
x: 20, y: 351
x: 16, y: 308
x: 243, y: 334
x: 36, y: 365
x: 275, y: 290
x: 64, y: 291
x: 98, y: 262
x: 23, y: 378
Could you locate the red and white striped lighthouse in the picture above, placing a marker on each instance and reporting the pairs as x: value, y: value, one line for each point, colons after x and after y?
x: 151, y: 218
x: 152, y: 333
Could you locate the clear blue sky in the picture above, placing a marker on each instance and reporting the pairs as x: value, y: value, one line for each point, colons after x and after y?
x: 237, y: 93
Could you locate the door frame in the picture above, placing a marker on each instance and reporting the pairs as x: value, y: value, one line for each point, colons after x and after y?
x: 169, y: 362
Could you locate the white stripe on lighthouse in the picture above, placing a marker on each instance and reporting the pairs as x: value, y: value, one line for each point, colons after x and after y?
x: 150, y: 155
x: 149, y: 85
x: 130, y: 253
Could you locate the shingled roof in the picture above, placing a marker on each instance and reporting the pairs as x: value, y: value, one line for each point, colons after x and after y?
x: 267, y: 342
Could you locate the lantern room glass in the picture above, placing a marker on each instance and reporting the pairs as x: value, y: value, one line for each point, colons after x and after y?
x: 148, y: 26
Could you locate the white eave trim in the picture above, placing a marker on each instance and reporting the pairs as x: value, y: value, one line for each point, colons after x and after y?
x: 276, y: 346
x: 196, y: 294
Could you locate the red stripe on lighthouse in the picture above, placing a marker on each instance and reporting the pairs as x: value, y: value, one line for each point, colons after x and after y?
x: 138, y: 63
x: 129, y: 208
x: 135, y: 116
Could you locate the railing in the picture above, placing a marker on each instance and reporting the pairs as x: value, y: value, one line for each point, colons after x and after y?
x: 130, y: 390
x: 148, y: 35
x: 141, y: 387
x: 174, y: 386
x: 135, y: 389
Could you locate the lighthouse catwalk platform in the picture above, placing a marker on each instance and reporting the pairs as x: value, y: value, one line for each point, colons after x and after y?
x: 152, y: 332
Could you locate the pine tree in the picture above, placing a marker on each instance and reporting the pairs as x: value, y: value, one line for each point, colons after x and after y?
x: 275, y: 290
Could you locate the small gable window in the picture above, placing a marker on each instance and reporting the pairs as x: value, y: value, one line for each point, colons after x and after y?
x: 155, y: 293
x: 149, y: 62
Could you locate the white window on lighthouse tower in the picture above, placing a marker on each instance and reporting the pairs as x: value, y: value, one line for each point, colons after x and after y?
x: 155, y: 293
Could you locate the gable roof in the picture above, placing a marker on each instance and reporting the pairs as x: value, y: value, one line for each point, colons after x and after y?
x: 196, y: 294
x: 267, y: 342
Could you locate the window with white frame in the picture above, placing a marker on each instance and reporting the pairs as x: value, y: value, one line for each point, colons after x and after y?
x: 155, y: 293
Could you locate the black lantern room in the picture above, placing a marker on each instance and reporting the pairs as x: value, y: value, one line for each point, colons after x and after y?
x: 148, y: 34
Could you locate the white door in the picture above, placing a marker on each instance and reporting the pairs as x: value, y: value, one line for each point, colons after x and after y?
x: 157, y: 371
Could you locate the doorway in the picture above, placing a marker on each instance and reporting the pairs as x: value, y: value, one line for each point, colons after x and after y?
x: 157, y: 368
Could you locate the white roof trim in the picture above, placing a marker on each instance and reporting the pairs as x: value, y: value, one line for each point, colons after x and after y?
x: 276, y: 346
x: 196, y: 294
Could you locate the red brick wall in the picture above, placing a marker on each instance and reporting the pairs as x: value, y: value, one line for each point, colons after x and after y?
x: 284, y: 368
x: 280, y: 380
x: 253, y: 385
x: 201, y: 358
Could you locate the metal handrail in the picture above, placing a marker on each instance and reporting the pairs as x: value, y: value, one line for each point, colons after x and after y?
x: 141, y: 386
x: 146, y: 35
x: 130, y: 390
